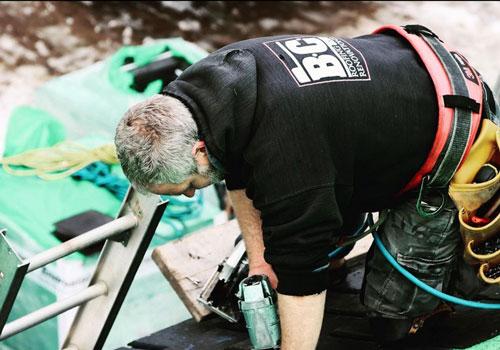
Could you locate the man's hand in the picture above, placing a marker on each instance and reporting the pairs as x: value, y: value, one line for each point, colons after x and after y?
x: 301, y: 316
x: 264, y: 269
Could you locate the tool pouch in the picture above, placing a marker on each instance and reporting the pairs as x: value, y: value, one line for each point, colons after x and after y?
x: 473, y: 197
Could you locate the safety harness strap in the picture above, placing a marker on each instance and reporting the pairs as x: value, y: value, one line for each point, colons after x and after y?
x: 464, y: 105
x: 459, y: 94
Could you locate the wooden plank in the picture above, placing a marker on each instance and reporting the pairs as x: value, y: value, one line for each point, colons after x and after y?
x: 189, y: 262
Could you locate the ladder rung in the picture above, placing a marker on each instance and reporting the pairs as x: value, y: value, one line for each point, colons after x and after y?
x: 82, y: 241
x: 54, y: 309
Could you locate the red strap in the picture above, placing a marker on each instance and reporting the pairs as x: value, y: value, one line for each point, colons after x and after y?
x: 443, y: 87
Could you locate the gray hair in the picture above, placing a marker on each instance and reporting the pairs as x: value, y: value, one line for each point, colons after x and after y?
x: 154, y: 140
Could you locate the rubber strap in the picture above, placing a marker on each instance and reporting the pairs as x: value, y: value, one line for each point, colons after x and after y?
x: 464, y: 102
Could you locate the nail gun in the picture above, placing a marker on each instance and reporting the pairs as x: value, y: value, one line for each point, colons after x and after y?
x: 235, y: 297
x: 219, y: 293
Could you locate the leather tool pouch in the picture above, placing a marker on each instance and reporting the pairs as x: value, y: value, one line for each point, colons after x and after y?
x: 477, y: 201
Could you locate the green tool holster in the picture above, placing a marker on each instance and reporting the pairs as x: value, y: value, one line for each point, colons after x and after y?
x: 258, y: 305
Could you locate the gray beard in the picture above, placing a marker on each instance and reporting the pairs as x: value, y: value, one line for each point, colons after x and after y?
x: 214, y: 174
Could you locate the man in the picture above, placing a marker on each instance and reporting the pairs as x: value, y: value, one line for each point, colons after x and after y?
x: 307, y: 132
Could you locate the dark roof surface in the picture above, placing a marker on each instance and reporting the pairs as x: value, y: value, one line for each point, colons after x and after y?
x: 344, y: 327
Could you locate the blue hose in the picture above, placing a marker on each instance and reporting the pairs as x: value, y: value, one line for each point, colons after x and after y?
x: 337, y: 251
x: 410, y: 277
x: 426, y: 287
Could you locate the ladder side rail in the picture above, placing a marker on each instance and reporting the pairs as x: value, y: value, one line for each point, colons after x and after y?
x: 117, y: 266
x: 118, y: 262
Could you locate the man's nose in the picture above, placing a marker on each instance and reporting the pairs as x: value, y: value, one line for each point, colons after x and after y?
x: 189, y: 192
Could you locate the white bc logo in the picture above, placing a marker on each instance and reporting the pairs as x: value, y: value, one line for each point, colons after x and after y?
x: 312, y: 60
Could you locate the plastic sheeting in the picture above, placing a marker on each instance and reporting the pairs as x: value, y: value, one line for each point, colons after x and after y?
x: 83, y: 106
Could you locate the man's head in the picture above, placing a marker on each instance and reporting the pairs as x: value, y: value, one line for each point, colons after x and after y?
x: 159, y: 150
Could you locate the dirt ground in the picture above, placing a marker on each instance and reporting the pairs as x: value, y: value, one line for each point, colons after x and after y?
x: 42, y: 40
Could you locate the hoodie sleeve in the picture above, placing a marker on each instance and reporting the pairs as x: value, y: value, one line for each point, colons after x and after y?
x: 299, y: 233
x: 220, y: 91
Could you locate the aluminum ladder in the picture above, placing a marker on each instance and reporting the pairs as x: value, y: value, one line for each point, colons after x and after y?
x: 127, y: 239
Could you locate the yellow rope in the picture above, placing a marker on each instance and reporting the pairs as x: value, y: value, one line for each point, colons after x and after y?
x: 59, y: 161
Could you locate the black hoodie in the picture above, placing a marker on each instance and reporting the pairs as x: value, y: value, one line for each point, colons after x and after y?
x: 315, y: 129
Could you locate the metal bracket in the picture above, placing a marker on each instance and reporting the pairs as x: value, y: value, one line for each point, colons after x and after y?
x: 128, y: 206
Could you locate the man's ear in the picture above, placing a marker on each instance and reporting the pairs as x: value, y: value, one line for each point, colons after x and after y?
x: 199, y: 153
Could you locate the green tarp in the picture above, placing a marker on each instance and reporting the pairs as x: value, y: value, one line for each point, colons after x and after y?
x: 84, y: 107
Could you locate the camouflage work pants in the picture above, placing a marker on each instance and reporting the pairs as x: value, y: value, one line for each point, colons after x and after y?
x: 431, y: 249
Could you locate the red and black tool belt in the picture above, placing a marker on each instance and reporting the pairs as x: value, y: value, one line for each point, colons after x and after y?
x: 459, y: 92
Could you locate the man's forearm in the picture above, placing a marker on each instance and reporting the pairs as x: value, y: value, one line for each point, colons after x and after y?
x: 251, y: 226
x: 251, y: 229
x: 300, y: 316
